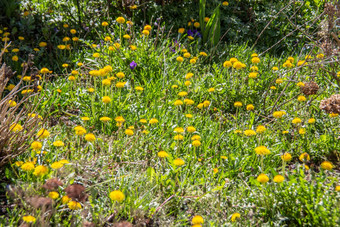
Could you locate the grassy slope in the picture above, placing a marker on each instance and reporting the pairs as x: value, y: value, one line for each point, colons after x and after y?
x: 155, y: 188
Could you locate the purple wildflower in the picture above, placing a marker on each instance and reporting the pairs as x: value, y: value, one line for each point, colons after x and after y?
x: 133, y: 65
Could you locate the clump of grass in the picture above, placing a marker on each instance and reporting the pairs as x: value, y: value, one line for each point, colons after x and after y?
x: 16, y: 127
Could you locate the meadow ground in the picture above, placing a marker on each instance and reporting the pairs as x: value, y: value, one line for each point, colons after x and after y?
x: 139, y: 128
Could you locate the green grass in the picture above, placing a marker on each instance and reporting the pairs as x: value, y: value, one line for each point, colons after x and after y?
x: 156, y: 191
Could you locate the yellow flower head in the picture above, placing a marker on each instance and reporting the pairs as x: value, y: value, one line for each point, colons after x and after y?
x: 196, y: 143
x: 36, y: 145
x: 12, y: 103
x: 249, y: 132
x: 203, y: 54
x: 66, y: 39
x: 143, y: 121
x: 16, y: 127
x: 29, y: 219
x: 79, y: 130
x: 73, y: 205
x: 235, y: 216
x: 262, y: 178
x: 65, y: 199
x: 119, y: 119
x: 255, y: 60
x: 304, y: 157
x: 261, y: 129
x: 183, y: 93
x: 57, y: 165
x: 27, y: 166
x: 153, y: 121
x: 252, y: 75
x: 327, y: 165
x: 44, y: 70
x: 139, y: 88
x: 120, y: 84
x: 178, y: 137
x: 278, y: 114
x: 179, y: 59
x: 302, y: 131
x: 238, y: 65
x: 191, y: 129
x: 181, y: 30
x: 302, y: 98
x: 300, y: 84
x: 53, y: 195
x: 311, y: 121
x: 105, y: 119
x: 117, y: 196
x: 129, y: 132
x: 211, y: 89
x: 196, y: 137
x: 132, y: 47
x: 90, y: 137
x: 227, y: 64
x: 225, y: 3
x: 120, y: 20
x: 286, y: 157
x: 162, y: 154
x: 333, y: 115
x: 186, y: 55
x: 206, y: 103
x: 106, y: 82
x: 262, y: 150
x: 58, y: 143
x: 179, y: 130
x: 197, y: 220
x: 40, y: 171
x: 238, y: 104
x: 106, y: 99
x: 250, y: 107
x: 146, y: 32
x: 296, y: 121
x: 178, y: 103
x: 189, y: 102
x: 126, y: 36
x: 279, y: 81
x: 188, y: 115
x: 278, y: 179
x: 178, y: 162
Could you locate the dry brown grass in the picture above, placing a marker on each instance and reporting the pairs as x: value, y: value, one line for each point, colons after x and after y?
x: 12, y: 143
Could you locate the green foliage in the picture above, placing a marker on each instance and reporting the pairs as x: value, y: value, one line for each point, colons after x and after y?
x: 219, y: 174
x: 210, y: 31
x: 9, y: 10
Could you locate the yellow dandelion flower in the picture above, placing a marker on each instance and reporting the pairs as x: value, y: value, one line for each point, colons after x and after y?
x: 197, y: 220
x: 117, y: 196
x: 179, y: 162
x: 286, y: 157
x: 262, y: 178
x: 73, y: 205
x: 162, y: 154
x: 262, y: 150
x: 235, y: 216
x: 278, y: 179
x: 53, y: 195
